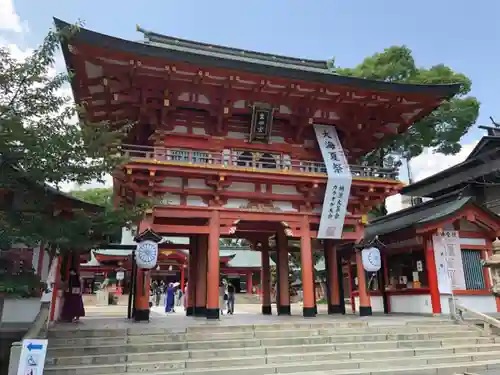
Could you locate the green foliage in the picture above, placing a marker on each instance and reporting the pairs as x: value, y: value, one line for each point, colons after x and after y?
x: 46, y: 139
x: 444, y: 127
x: 99, y: 196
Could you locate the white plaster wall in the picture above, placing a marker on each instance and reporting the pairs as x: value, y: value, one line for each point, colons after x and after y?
x: 171, y: 199
x: 193, y: 200
x: 416, y: 304
x: 277, y: 139
x: 180, y: 129
x: 199, y: 131
x: 236, y: 135
x: 22, y: 310
x: 377, y: 303
x: 284, y: 206
x: 484, y: 304
x: 197, y: 183
x: 284, y: 189
x: 472, y: 241
x: 245, y: 187
x: 236, y: 203
x: 172, y: 182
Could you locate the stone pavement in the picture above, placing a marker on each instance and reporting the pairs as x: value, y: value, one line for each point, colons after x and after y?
x: 114, y: 317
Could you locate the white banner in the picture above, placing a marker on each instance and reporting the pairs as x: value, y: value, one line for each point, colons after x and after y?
x: 339, y: 182
x: 449, y: 266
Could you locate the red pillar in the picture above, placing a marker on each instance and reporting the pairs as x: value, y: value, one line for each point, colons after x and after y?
x: 182, y: 277
x: 333, y: 278
x: 56, y: 289
x: 308, y: 309
x: 430, y: 264
x: 191, y: 289
x: 283, y: 282
x: 365, y: 304
x: 213, y: 266
x: 201, y: 277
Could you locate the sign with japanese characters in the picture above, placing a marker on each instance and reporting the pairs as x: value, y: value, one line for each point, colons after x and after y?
x: 448, y: 257
x: 262, y: 120
x: 339, y: 182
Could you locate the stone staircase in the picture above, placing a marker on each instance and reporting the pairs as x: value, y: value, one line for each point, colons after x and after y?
x: 336, y: 347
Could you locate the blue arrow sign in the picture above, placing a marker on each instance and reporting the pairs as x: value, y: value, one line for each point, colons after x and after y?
x: 32, y: 346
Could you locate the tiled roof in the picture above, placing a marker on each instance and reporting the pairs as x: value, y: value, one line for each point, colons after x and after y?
x: 419, y: 215
x: 242, y: 257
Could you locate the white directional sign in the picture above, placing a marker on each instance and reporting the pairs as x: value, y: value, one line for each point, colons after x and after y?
x: 32, y: 358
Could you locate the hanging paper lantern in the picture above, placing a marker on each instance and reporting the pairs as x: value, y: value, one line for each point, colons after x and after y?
x: 371, y: 259
x: 146, y: 254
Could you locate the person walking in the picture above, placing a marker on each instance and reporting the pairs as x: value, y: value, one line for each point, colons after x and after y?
x: 223, y: 297
x: 169, y: 299
x: 179, y: 297
x: 231, y: 293
x: 73, y: 308
x: 158, y: 292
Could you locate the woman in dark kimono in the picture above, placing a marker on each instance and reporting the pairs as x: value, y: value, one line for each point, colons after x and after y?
x: 169, y: 300
x: 73, y: 308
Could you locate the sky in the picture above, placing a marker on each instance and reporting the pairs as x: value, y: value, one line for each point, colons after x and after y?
x: 461, y: 34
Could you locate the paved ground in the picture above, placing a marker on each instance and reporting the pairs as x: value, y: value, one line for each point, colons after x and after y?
x: 114, y: 317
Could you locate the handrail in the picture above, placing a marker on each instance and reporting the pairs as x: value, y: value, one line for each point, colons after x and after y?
x: 488, y: 321
x: 245, y: 159
x: 38, y: 329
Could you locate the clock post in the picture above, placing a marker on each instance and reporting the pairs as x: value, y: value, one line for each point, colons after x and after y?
x: 146, y: 257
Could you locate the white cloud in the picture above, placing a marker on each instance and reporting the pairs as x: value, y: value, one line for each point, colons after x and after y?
x: 427, y: 164
x: 9, y: 19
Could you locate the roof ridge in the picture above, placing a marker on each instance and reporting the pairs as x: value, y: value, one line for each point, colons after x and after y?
x: 152, y: 36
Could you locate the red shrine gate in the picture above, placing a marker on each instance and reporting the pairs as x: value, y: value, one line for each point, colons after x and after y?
x: 224, y: 141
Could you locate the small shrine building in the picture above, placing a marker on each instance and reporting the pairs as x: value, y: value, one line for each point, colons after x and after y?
x: 452, y: 229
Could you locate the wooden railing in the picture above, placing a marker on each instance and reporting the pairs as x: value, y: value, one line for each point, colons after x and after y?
x: 37, y: 330
x: 246, y: 159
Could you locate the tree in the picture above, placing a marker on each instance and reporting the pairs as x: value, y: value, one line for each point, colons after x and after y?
x: 100, y: 196
x: 445, y: 126
x: 442, y: 129
x: 43, y: 141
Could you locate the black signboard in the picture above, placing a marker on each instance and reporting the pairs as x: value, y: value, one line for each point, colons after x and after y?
x: 262, y: 121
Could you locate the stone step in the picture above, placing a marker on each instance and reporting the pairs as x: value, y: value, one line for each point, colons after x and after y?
x: 311, y: 340
x: 464, y: 368
x: 230, y: 335
x: 260, y: 366
x: 217, y: 327
x: 286, y: 349
x: 198, y: 359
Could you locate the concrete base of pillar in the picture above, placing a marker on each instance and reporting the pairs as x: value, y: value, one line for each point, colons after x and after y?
x: 365, y: 310
x: 212, y: 313
x: 284, y: 310
x: 189, y: 311
x: 141, y: 315
x: 200, y: 311
x: 267, y: 310
x: 335, y: 309
x: 309, y: 312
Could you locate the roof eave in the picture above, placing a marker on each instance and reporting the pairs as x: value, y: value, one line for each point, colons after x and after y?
x: 105, y: 41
